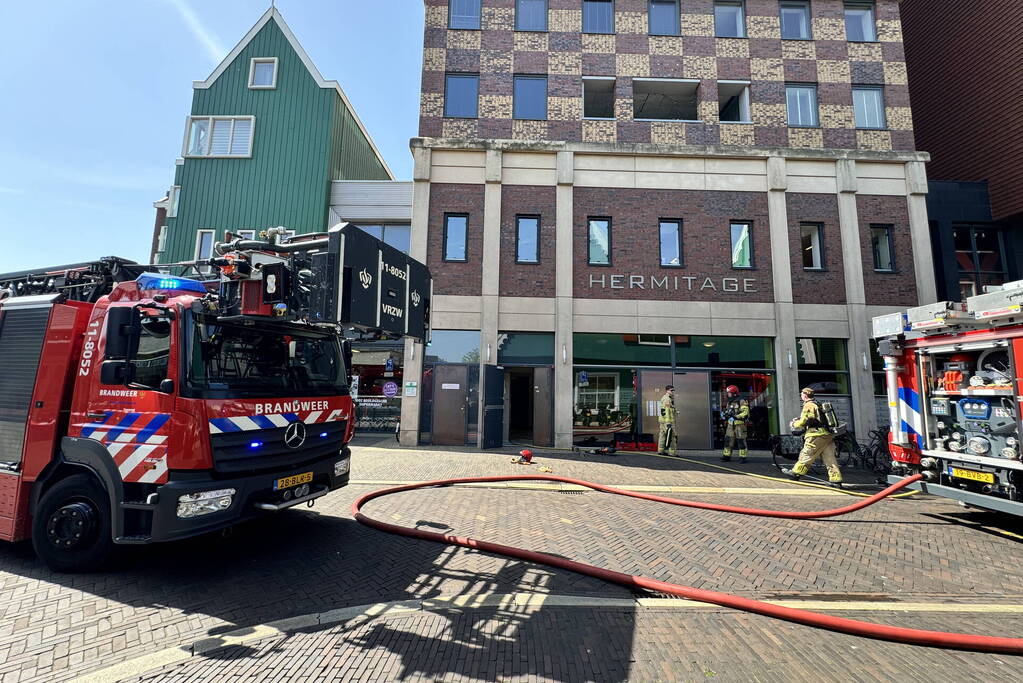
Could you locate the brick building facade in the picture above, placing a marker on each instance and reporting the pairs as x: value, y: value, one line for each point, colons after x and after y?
x: 751, y: 202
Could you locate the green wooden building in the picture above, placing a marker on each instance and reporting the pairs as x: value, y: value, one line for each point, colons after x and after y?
x: 265, y: 138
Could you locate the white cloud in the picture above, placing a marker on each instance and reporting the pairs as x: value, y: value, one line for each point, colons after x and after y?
x: 208, y: 40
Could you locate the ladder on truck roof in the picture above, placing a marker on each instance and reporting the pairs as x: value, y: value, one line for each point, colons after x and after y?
x: 86, y: 281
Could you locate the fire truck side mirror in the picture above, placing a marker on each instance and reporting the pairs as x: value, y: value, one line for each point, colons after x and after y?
x: 122, y: 326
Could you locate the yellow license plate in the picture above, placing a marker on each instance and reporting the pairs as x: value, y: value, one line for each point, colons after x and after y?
x: 295, y: 480
x: 985, y: 477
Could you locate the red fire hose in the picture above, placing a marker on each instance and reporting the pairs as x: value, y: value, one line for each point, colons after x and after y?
x: 912, y: 636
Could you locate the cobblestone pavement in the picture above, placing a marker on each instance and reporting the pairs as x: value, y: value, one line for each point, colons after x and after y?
x: 55, y: 627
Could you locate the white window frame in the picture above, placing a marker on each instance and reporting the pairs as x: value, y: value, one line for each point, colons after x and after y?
x: 741, y: 5
x: 252, y: 72
x: 209, y: 151
x: 647, y: 342
x: 245, y: 234
x: 816, y: 245
x: 172, y: 201
x: 804, y: 5
x: 690, y: 81
x: 744, y: 102
x: 614, y: 99
x: 161, y: 240
x: 198, y: 244
x: 594, y: 375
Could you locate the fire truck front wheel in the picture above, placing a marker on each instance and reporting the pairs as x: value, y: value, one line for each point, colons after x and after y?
x: 71, y: 526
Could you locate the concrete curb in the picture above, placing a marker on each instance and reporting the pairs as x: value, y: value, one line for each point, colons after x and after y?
x: 360, y: 614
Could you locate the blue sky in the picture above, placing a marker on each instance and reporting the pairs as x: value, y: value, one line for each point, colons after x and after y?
x: 95, y: 94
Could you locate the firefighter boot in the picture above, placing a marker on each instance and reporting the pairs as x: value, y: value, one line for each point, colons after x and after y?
x: 726, y: 454
x: 791, y: 474
x: 742, y: 455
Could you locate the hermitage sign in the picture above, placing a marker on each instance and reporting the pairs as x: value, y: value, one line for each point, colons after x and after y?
x: 685, y: 283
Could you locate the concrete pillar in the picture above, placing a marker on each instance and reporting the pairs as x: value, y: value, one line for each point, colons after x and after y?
x: 787, y: 376
x: 564, y: 379
x: 861, y: 380
x: 412, y: 370
x: 920, y: 232
x: 490, y: 285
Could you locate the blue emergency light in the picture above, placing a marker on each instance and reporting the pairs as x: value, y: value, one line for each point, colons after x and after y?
x: 158, y: 281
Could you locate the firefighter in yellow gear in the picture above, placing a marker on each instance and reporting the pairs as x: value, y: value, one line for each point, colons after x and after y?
x: 736, y: 415
x: 667, y: 442
x: 818, y: 442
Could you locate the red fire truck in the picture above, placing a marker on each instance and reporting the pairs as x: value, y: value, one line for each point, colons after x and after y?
x: 952, y: 372
x: 138, y: 407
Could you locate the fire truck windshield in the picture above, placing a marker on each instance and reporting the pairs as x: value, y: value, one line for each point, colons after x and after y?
x: 233, y: 361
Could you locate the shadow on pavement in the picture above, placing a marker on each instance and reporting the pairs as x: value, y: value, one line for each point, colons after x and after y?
x: 300, y: 562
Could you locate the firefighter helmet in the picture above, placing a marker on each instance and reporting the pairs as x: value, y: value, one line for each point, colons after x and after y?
x: 732, y: 389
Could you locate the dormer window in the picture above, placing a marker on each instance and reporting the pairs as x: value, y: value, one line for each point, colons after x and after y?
x: 263, y: 73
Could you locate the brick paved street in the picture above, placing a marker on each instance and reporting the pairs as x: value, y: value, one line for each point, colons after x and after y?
x: 55, y: 627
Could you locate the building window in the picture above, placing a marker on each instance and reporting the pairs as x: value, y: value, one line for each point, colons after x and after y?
x: 881, y: 245
x: 868, y: 106
x: 598, y: 98
x: 464, y: 14
x: 671, y: 242
x: 664, y: 17
x: 664, y: 100
x: 812, y: 244
x: 859, y: 22
x: 173, y: 199
x: 530, y: 98
x: 795, y: 20
x: 742, y: 244
x: 456, y: 232
x: 161, y: 241
x: 598, y: 16
x: 527, y: 239
x: 214, y: 136
x: 599, y: 241
x: 599, y: 392
x: 461, y: 96
x: 263, y: 73
x: 204, y: 240
x: 245, y: 234
x: 530, y: 15
x: 398, y: 236
x: 980, y: 254
x: 823, y: 365
x: 802, y: 105
x: 733, y: 102
x: 729, y: 19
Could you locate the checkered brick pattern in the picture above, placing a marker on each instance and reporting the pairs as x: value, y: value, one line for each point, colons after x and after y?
x: 565, y: 55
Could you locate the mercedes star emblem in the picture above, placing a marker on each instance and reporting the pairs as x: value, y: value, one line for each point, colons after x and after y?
x: 294, y: 435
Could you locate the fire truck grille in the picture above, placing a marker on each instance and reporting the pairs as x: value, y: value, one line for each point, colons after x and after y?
x: 264, y: 449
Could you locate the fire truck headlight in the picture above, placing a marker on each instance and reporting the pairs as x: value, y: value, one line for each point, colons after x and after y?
x: 341, y: 467
x: 1009, y: 453
x: 204, y: 502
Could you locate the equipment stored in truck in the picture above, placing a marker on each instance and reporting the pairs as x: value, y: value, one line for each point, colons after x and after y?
x: 139, y: 406
x: 952, y: 372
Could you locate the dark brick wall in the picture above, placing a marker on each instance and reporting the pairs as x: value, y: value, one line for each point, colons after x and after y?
x: 808, y: 286
x: 453, y: 277
x: 972, y: 49
x: 522, y: 279
x: 887, y: 289
x: 565, y: 55
x: 635, y: 240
